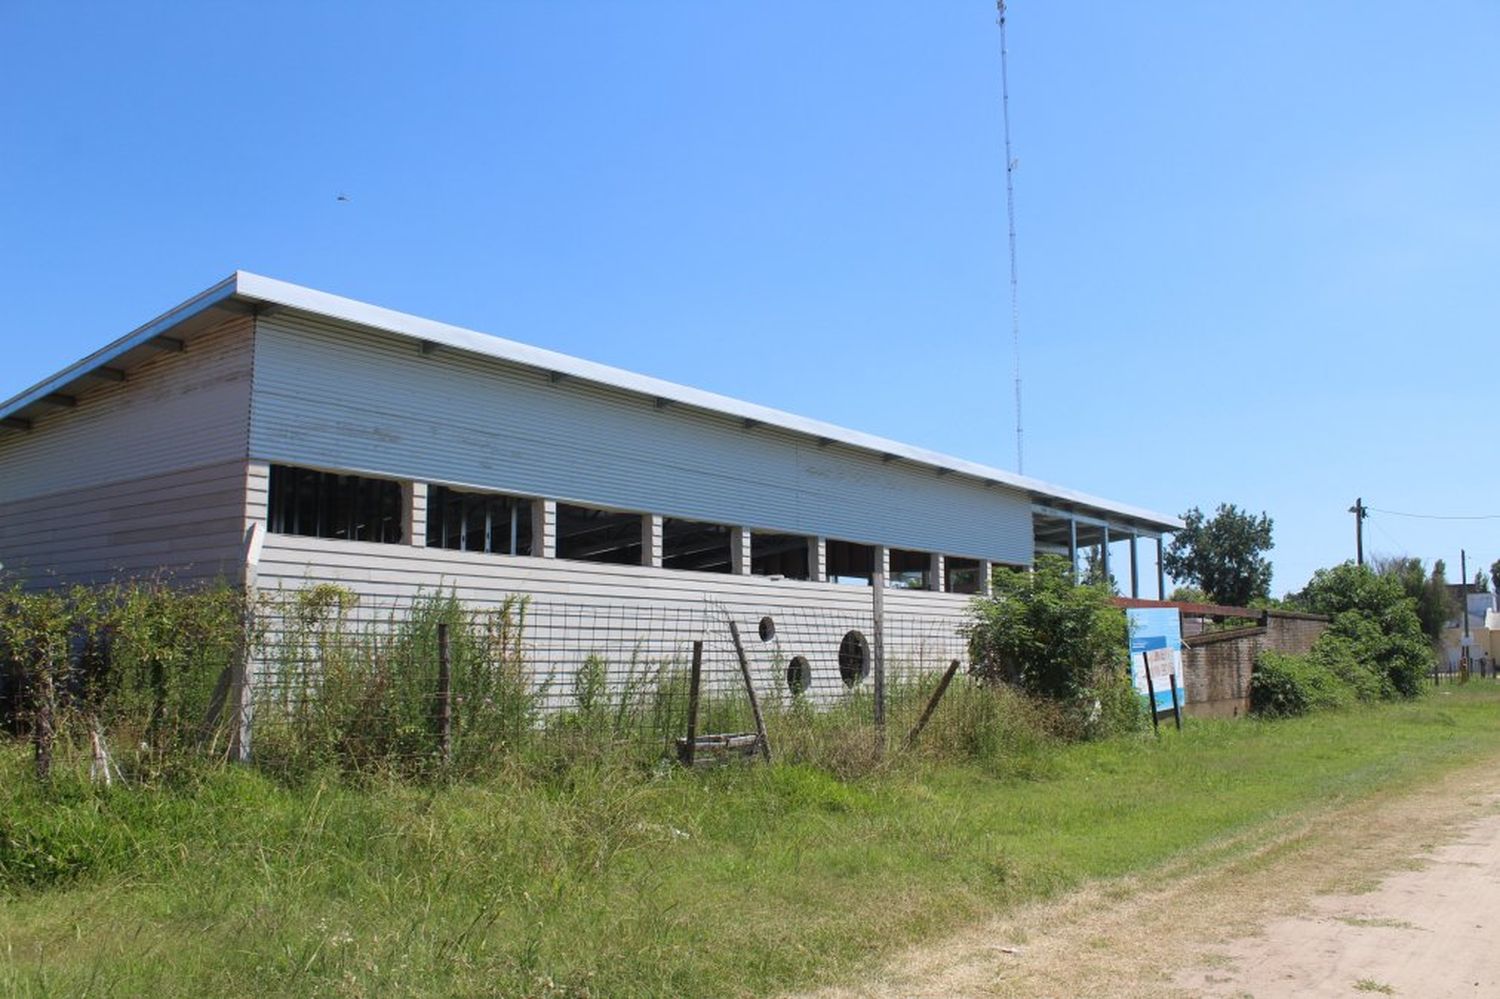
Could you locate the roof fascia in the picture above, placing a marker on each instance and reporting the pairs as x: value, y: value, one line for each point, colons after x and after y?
x: 135, y: 338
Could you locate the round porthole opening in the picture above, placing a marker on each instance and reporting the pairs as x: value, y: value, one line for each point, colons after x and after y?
x: 854, y: 658
x: 767, y: 628
x: 798, y: 675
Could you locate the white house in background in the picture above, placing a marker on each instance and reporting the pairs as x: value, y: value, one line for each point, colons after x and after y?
x: 280, y: 436
x: 1484, y: 630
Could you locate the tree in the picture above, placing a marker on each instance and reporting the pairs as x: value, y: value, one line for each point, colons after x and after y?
x: 1222, y: 554
x: 1495, y: 574
x: 1093, y: 571
x: 1429, y: 594
x: 1481, y: 583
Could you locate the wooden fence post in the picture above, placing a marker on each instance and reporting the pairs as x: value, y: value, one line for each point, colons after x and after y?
x: 695, y: 680
x: 43, y: 698
x: 932, y: 703
x: 760, y: 722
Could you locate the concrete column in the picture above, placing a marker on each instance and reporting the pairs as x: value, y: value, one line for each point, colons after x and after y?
x: 544, y: 528
x: 882, y: 572
x: 817, y: 559
x: 937, y: 580
x: 651, y: 540
x: 986, y: 571
x: 739, y: 551
x: 414, y: 513
x: 1135, y: 571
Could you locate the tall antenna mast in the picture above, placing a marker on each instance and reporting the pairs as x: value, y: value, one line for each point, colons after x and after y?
x: 1010, y: 213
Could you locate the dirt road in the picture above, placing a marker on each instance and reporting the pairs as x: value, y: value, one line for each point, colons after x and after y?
x: 1396, y: 895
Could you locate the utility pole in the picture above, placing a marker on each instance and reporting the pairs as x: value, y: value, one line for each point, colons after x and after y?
x: 1463, y: 610
x: 1463, y: 569
x: 1360, y: 512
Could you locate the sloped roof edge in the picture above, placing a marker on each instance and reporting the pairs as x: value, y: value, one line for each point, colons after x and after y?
x: 256, y: 291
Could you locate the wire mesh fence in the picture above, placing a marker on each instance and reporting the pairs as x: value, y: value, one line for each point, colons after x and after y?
x: 147, y: 678
x: 357, y: 680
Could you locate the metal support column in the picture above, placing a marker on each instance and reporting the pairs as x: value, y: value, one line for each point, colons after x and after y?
x: 1104, y: 557
x: 1161, y: 573
x: 1073, y: 547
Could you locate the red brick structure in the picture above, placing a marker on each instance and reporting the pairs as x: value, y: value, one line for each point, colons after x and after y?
x: 1217, y: 662
x: 1217, y: 665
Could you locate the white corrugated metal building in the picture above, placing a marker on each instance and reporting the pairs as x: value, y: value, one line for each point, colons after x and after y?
x: 268, y: 431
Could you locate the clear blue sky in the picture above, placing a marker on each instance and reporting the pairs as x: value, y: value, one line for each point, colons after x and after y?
x: 1259, y: 244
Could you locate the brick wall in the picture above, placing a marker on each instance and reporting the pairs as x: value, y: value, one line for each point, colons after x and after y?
x: 1217, y: 665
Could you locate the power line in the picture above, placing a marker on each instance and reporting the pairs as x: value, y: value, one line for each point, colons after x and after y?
x: 1010, y: 214
x: 1436, y: 516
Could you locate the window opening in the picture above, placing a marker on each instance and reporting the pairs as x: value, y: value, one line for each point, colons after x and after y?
x: 315, y: 504
x: 852, y: 563
x: 587, y: 534
x: 779, y: 555
x: 963, y: 574
x: 478, y: 522
x: 798, y: 675
x: 910, y: 570
x: 690, y: 544
x: 854, y: 658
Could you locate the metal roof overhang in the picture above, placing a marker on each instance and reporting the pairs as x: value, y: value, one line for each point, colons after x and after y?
x: 245, y: 293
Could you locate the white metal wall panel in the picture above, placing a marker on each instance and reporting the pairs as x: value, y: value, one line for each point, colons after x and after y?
x: 177, y: 411
x: 328, y: 394
x: 188, y: 524
x: 642, y: 612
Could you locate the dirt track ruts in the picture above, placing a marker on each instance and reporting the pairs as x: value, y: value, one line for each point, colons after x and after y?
x: 1392, y: 894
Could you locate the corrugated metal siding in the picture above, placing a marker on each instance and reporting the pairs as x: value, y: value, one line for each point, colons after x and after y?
x: 188, y: 524
x: 331, y: 395
x: 634, y: 612
x: 177, y: 411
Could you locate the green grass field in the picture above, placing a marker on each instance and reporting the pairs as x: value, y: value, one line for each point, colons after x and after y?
x: 601, y: 882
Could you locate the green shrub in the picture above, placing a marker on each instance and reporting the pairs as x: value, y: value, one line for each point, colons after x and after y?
x: 136, y: 663
x: 1282, y: 686
x: 1377, y: 620
x: 1046, y: 634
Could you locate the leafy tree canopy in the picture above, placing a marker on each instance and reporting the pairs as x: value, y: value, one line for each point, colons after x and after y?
x: 1094, y: 574
x: 1375, y: 623
x: 1429, y: 593
x: 1222, y: 554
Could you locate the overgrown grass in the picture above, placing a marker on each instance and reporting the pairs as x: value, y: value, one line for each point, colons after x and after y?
x: 594, y: 880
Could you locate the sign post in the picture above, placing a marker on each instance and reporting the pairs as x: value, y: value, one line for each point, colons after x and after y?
x: 1156, y: 652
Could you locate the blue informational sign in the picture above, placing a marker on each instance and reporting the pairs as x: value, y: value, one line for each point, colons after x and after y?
x: 1156, y: 640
